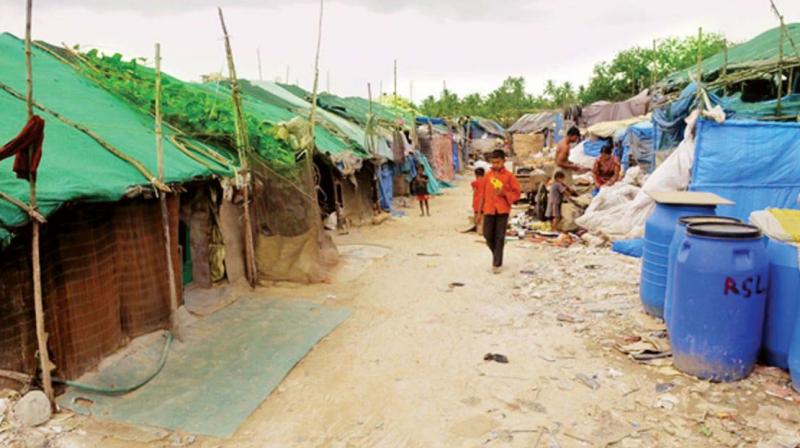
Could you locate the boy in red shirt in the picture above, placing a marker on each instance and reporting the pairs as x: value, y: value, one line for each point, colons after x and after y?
x: 477, y: 196
x: 500, y: 191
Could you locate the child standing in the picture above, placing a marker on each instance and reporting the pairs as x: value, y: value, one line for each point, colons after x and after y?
x: 477, y: 197
x: 557, y: 192
x: 419, y: 188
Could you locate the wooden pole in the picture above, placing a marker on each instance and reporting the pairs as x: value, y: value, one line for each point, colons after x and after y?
x: 328, y: 81
x: 699, y: 67
x: 778, y: 106
x: 411, y: 91
x: 173, y: 287
x: 243, y: 148
x: 395, y: 77
x: 725, y: 67
x: 655, y: 64
x: 287, y: 74
x: 41, y: 334
x: 312, y: 119
x: 258, y: 54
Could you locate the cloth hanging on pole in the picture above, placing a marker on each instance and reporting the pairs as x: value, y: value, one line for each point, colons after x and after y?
x: 30, y: 137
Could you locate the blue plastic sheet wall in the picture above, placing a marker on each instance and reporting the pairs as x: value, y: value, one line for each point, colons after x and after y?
x: 754, y: 164
x: 386, y: 184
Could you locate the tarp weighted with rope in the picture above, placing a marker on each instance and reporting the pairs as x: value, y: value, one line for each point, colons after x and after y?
x: 75, y: 166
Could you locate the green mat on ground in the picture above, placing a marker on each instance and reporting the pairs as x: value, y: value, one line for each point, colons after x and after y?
x: 226, y: 366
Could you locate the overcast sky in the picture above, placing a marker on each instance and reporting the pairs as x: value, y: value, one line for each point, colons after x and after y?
x: 471, y: 44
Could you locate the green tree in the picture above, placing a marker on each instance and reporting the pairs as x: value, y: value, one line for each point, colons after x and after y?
x: 634, y: 69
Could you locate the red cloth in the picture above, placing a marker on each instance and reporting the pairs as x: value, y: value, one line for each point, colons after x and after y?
x: 493, y: 202
x: 477, y: 194
x: 31, y: 136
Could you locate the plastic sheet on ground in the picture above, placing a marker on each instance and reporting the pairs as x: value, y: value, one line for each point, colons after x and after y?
x: 631, y: 248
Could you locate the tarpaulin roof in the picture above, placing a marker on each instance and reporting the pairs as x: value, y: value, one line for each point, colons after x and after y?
x: 489, y: 126
x: 75, y: 167
x: 349, y: 136
x: 609, y: 128
x: 533, y: 123
x: 602, y: 111
x: 763, y: 49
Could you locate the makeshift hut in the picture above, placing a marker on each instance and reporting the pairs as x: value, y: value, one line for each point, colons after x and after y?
x: 103, y: 265
x: 534, y: 132
x: 439, y: 145
x: 381, y: 131
x: 604, y: 111
x: 758, y: 79
x: 285, y: 219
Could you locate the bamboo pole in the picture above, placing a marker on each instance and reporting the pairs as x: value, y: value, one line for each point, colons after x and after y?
x: 287, y: 74
x: 725, y: 66
x: 313, y: 114
x: 173, y: 287
x: 395, y: 77
x: 41, y: 333
x: 699, y: 67
x: 655, y: 64
x: 243, y: 148
x: 778, y: 105
x: 258, y: 55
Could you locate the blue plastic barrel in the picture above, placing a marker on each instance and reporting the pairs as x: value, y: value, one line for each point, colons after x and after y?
x: 782, y: 303
x: 721, y: 281
x: 677, y: 239
x: 794, y: 355
x: 658, y: 232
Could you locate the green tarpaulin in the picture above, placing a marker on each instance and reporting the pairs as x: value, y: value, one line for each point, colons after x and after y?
x: 762, y: 49
x: 74, y: 166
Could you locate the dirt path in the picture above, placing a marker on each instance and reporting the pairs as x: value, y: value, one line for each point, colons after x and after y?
x: 407, y: 368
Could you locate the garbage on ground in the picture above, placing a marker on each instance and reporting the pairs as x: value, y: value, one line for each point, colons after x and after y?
x: 496, y: 357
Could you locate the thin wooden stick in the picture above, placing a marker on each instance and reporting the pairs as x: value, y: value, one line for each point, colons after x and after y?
x: 312, y: 120
x: 41, y: 333
x: 22, y: 378
x: 108, y: 146
x: 243, y: 147
x: 778, y: 105
x: 32, y: 212
x: 173, y: 287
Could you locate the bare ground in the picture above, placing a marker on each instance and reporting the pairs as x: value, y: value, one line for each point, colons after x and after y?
x: 407, y: 368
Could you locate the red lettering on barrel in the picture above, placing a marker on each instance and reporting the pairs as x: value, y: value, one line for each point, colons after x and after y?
x: 748, y: 291
x: 730, y: 286
x: 760, y: 288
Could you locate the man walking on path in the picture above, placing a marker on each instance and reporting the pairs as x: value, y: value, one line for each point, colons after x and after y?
x: 500, y: 191
x: 562, y: 156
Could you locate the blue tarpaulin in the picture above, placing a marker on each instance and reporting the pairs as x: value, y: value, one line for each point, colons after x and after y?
x: 386, y: 184
x: 593, y: 147
x: 638, y: 139
x: 631, y: 248
x: 431, y: 120
x: 670, y: 118
x: 754, y: 164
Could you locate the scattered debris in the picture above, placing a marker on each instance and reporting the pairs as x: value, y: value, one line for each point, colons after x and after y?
x: 664, y: 387
x: 666, y: 402
x: 425, y: 254
x: 455, y: 285
x: 32, y: 409
x: 569, y: 318
x: 589, y: 381
x: 496, y: 357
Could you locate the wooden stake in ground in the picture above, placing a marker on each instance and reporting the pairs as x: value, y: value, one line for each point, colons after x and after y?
x: 41, y: 334
x: 243, y: 148
x: 258, y: 54
x: 173, y: 287
x: 312, y: 119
